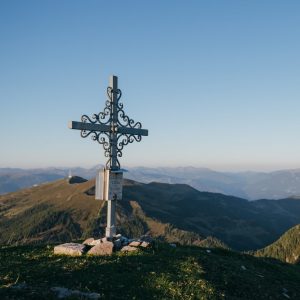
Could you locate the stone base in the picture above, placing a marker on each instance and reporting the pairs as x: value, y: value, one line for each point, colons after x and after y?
x: 135, y: 243
x: 103, y: 246
x: 71, y: 249
x: 129, y: 249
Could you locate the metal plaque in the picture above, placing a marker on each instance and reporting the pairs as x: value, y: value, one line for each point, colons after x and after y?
x: 115, y: 185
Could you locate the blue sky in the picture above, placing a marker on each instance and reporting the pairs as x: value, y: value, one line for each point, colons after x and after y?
x: 217, y: 83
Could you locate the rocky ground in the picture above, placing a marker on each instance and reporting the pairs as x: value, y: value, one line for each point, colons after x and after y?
x: 103, y: 246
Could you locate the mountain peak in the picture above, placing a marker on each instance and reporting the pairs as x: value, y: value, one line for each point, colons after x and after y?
x: 76, y: 179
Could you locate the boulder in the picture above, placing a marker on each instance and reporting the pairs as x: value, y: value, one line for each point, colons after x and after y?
x: 129, y: 249
x: 101, y: 249
x: 118, y: 244
x: 134, y: 244
x: 145, y: 244
x: 72, y: 249
x: 146, y: 238
x: 89, y: 241
x: 124, y: 241
x: 95, y: 242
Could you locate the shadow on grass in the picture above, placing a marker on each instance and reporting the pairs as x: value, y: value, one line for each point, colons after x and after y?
x: 243, y: 276
x: 159, y: 273
x: 154, y: 273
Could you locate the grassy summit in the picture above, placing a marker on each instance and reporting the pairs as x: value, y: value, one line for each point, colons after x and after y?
x: 163, y: 272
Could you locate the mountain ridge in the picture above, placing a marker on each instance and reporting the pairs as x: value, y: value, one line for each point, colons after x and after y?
x: 250, y: 185
x: 60, y: 211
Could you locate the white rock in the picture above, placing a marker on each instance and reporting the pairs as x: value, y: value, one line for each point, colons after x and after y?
x: 129, y: 249
x: 88, y: 241
x: 105, y: 248
x: 135, y: 244
x: 64, y: 293
x: 71, y: 249
x: 145, y: 244
x: 95, y: 242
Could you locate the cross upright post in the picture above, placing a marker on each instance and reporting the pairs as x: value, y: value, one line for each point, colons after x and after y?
x: 113, y: 129
x: 111, y: 203
x: 113, y: 134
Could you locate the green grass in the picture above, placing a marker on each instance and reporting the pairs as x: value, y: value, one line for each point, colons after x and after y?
x: 158, y: 273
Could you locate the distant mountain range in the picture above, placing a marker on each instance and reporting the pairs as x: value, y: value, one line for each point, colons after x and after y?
x: 60, y: 211
x: 247, y: 185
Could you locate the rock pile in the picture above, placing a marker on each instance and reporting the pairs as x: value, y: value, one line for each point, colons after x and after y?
x: 104, y: 246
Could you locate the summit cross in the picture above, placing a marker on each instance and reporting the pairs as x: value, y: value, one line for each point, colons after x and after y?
x: 113, y: 129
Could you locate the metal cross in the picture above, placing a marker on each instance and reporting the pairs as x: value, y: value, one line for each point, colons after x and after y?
x: 112, y: 128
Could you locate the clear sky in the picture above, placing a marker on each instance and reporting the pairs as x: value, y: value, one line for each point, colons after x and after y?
x: 217, y: 83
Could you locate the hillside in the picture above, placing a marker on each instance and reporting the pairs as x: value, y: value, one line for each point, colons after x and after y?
x: 61, y: 211
x: 241, y: 224
x: 64, y: 210
x: 159, y: 273
x: 286, y: 248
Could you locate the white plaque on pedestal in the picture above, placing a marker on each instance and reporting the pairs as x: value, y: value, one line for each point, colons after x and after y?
x: 99, y: 186
x: 109, y: 185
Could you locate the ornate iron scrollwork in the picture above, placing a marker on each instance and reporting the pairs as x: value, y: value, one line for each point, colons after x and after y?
x: 106, y: 118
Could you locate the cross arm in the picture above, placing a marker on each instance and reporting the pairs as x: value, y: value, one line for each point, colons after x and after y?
x: 88, y: 126
x: 133, y: 131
